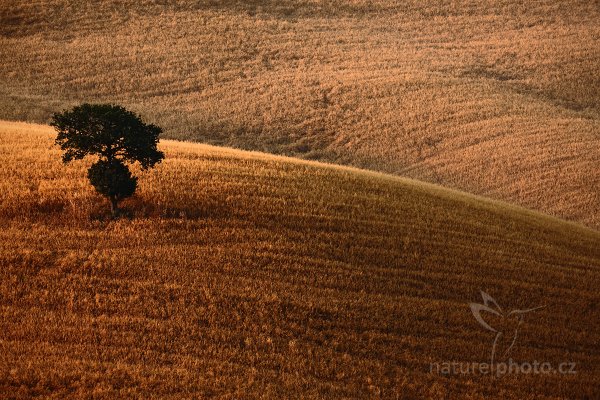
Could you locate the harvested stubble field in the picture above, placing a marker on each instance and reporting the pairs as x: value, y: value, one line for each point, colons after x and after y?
x: 497, y: 98
x: 245, y: 275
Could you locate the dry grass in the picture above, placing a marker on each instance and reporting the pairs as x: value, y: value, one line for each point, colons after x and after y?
x: 495, y: 98
x: 244, y: 275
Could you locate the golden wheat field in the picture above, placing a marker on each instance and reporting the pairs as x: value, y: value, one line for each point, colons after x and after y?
x: 246, y: 275
x: 497, y: 98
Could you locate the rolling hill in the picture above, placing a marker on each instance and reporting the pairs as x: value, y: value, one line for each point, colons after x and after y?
x: 246, y: 275
x: 496, y: 98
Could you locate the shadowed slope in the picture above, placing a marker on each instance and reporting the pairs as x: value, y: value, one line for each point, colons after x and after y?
x: 248, y: 275
x: 495, y: 98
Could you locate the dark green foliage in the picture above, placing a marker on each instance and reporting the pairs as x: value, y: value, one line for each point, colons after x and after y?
x: 113, y: 180
x: 116, y: 136
x: 109, y: 131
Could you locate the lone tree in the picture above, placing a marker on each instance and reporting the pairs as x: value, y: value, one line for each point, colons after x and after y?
x: 117, y: 137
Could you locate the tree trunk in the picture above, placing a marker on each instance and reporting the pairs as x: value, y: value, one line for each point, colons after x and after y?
x: 114, y: 209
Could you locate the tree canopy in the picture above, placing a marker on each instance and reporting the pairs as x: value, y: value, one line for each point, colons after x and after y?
x: 117, y: 137
x: 109, y: 131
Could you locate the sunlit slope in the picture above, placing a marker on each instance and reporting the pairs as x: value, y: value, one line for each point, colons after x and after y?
x: 244, y: 275
x: 495, y: 98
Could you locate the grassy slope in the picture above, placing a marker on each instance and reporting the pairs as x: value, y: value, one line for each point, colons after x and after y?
x: 495, y: 98
x: 247, y: 275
